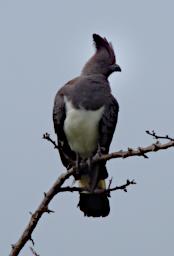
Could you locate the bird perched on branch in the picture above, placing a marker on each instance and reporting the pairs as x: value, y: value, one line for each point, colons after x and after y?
x: 85, y: 116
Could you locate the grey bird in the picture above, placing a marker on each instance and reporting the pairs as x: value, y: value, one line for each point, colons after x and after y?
x: 85, y: 116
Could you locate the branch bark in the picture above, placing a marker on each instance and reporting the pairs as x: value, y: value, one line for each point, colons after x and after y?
x: 57, y: 186
x: 42, y: 208
x: 99, y: 191
x: 140, y: 151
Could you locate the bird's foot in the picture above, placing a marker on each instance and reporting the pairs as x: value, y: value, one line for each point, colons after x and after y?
x: 99, y: 152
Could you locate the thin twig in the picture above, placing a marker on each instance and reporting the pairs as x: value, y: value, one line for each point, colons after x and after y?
x: 98, y: 191
x: 157, y: 137
x: 122, y: 187
x: 47, y: 137
x: 33, y: 251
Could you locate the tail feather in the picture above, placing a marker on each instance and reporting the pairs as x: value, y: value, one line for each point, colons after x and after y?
x: 94, y: 205
x: 91, y: 204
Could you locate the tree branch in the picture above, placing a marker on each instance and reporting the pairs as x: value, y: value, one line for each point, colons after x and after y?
x: 153, y: 133
x: 57, y: 186
x: 140, y: 151
x: 98, y: 191
x: 47, y: 137
x: 42, y: 208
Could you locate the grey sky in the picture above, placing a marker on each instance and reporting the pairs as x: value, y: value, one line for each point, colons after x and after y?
x: 42, y: 45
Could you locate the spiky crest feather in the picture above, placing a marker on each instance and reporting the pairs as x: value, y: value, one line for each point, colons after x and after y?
x: 101, y: 42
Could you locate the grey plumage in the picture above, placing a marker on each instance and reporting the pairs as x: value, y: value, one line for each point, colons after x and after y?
x: 88, y: 95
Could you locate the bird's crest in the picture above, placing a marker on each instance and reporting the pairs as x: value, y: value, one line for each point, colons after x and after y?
x: 102, y: 60
x: 102, y: 43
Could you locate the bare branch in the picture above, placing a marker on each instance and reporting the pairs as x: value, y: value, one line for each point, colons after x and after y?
x: 140, y: 151
x: 42, y: 208
x: 136, y: 152
x: 47, y: 137
x: 34, y: 252
x: 157, y: 137
x: 99, y: 191
x: 122, y: 187
x: 57, y: 186
x: 31, y: 239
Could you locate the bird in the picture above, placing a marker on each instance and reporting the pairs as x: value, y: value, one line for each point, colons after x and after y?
x: 85, y: 115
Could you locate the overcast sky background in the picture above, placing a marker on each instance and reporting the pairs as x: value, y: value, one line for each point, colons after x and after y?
x: 43, y: 44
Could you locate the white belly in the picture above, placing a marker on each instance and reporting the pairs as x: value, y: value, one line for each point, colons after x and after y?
x: 81, y: 129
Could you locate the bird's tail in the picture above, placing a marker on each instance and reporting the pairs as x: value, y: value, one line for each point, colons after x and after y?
x: 93, y: 204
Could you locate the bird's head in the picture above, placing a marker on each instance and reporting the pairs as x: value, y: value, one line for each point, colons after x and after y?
x: 104, y: 60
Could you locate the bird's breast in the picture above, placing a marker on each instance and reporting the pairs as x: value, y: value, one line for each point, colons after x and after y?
x: 81, y: 128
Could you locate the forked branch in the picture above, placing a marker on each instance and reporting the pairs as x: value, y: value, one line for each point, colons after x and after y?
x: 57, y: 186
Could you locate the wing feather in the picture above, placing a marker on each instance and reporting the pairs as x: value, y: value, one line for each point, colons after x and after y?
x: 59, y: 114
x: 108, y: 123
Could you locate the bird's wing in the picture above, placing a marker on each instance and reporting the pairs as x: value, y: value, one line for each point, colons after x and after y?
x: 108, y: 123
x: 59, y: 115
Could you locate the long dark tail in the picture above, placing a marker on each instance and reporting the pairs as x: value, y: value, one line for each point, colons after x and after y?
x: 92, y: 204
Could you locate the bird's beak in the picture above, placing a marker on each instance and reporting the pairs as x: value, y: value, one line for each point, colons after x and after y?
x: 116, y: 68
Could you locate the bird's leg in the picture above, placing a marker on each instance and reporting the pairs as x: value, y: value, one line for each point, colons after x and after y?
x: 89, y: 163
x: 94, y: 178
x: 94, y: 172
x: 77, y: 174
x: 99, y: 152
